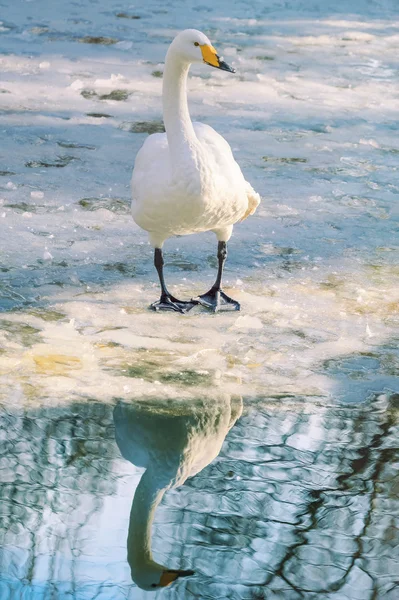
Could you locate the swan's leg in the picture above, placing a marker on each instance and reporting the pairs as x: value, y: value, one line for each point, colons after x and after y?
x: 167, y: 301
x: 216, y: 299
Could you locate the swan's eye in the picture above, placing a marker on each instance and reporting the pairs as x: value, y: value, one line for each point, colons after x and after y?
x: 196, y: 44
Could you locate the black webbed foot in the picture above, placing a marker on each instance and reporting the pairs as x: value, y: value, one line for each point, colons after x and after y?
x: 168, y: 302
x: 217, y: 300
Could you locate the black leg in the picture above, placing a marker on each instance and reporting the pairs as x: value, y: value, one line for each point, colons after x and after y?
x: 216, y: 299
x: 167, y: 301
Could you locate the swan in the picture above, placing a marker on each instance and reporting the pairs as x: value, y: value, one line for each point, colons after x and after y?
x: 173, y: 441
x: 187, y: 181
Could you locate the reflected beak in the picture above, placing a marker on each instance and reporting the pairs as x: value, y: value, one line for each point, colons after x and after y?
x: 186, y: 573
x: 170, y: 576
x: 211, y: 58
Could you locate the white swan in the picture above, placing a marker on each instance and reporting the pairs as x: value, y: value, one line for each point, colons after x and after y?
x: 172, y: 441
x: 187, y: 181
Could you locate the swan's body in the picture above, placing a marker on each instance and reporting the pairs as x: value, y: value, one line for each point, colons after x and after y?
x: 186, y: 180
x: 209, y: 191
x: 172, y: 442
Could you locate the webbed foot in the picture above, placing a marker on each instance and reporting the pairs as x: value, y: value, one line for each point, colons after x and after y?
x: 168, y: 302
x: 217, y: 300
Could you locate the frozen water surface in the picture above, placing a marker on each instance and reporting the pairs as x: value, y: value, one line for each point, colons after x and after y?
x: 302, y: 501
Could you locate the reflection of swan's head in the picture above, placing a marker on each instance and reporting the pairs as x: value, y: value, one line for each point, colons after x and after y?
x: 192, y: 46
x: 153, y: 576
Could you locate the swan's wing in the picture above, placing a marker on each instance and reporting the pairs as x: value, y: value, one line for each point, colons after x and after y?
x: 224, y: 156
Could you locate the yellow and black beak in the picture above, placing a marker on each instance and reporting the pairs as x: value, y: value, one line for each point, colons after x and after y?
x: 211, y: 58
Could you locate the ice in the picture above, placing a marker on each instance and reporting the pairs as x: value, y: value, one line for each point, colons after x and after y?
x: 37, y: 195
x: 46, y: 254
x: 247, y: 322
x: 312, y: 117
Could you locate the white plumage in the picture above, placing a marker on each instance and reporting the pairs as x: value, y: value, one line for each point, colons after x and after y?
x: 209, y: 193
x: 186, y: 180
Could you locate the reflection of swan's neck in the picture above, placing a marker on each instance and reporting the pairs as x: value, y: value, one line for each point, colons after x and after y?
x: 148, y: 495
x: 178, y: 125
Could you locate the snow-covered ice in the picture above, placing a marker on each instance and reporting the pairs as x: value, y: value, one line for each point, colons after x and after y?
x: 311, y: 115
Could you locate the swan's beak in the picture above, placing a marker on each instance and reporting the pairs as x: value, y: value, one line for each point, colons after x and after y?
x: 211, y: 58
x: 169, y: 577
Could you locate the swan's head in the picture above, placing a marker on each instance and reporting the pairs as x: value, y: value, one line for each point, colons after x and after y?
x: 153, y: 577
x: 192, y: 46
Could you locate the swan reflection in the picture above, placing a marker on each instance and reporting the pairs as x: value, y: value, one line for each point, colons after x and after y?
x: 172, y: 440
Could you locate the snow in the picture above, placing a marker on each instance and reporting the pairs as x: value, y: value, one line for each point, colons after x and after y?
x: 311, y: 115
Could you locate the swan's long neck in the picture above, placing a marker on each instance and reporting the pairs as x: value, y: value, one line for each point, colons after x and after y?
x: 148, y: 495
x: 178, y: 125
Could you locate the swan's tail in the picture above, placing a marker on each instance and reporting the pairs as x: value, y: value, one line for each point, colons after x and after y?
x: 253, y: 201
